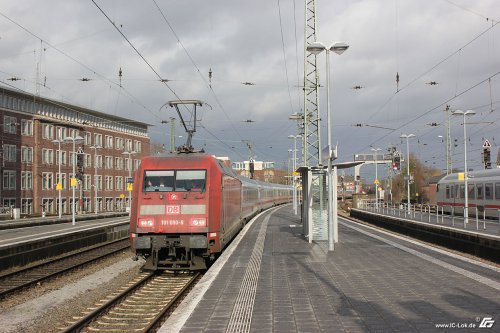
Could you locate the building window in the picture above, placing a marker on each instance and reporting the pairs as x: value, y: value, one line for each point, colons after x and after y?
x: 48, y: 131
x: 98, y: 139
x: 109, y: 204
x: 26, y: 154
x: 87, y: 162
x: 87, y: 182
x: 9, y: 180
x: 74, y: 133
x: 48, y: 205
x: 109, y: 183
x: 98, y: 181
x: 47, y: 156
x: 9, y: 202
x: 109, y: 141
x: 64, y: 204
x: 98, y: 161
x: 86, y: 205
x: 119, y: 163
x: 27, y: 127
x: 109, y: 162
x: 61, y: 133
x: 128, y: 145
x: 138, y: 146
x: 47, y: 180
x: 128, y: 164
x: 119, y: 183
x: 26, y: 180
x: 26, y: 206
x: 9, y: 124
x: 63, y: 157
x: 137, y: 163
x: 119, y: 143
x: 118, y: 204
x: 63, y: 180
x: 9, y: 153
x: 88, y: 139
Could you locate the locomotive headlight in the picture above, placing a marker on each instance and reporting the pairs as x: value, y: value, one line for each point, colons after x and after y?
x: 199, y: 222
x: 146, y: 223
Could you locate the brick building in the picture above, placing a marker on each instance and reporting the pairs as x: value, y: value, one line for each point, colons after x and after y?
x: 29, y: 131
x: 263, y: 171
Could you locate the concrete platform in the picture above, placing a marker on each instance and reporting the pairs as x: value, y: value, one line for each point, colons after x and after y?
x: 272, y: 280
x: 21, y: 246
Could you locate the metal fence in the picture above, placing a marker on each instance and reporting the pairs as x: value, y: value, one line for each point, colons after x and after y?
x: 487, y: 220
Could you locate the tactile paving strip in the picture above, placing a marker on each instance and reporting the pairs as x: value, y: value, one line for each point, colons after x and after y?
x: 241, y: 317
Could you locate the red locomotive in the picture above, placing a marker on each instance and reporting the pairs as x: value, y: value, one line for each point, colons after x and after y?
x: 187, y: 207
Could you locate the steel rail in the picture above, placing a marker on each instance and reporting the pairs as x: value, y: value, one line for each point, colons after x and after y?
x: 46, y: 269
x: 106, y: 307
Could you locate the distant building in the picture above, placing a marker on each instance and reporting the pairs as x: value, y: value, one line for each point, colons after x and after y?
x: 263, y: 171
x: 225, y: 160
x: 30, y: 157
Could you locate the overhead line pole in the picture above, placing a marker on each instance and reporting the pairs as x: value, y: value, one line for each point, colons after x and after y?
x: 312, y: 151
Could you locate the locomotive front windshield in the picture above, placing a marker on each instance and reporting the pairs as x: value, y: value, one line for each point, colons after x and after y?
x: 174, y: 180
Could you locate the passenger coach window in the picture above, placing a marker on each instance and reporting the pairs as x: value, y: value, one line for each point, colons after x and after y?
x: 497, y: 191
x: 488, y: 191
x: 462, y: 192
x: 472, y: 192
x: 479, y: 192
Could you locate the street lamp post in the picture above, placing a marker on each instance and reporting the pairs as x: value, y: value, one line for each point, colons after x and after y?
x: 73, y: 179
x: 407, y: 137
x: 339, y: 48
x: 375, y: 150
x: 466, y: 177
x: 96, y: 210
x: 294, y: 166
x: 59, y: 176
x: 290, y: 167
x: 129, y: 153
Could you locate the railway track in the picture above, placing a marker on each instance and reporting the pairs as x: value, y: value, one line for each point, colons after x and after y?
x: 140, y: 306
x: 32, y: 275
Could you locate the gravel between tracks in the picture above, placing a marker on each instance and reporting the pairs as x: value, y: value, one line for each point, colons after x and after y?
x: 47, y: 307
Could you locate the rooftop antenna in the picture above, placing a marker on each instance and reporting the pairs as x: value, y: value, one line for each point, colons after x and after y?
x: 188, y: 120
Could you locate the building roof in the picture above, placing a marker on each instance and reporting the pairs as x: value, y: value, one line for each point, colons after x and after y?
x: 70, y: 107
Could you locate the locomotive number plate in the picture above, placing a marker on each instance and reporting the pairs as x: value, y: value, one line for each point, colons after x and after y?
x: 172, y: 222
x: 171, y: 210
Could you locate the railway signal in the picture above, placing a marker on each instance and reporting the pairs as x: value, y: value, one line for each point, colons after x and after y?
x: 486, y: 154
x: 396, y: 162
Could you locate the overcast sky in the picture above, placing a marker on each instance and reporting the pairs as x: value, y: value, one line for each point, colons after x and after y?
x: 455, y: 44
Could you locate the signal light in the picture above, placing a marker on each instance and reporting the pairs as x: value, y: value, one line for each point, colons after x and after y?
x: 146, y: 223
x: 486, y: 158
x: 396, y: 165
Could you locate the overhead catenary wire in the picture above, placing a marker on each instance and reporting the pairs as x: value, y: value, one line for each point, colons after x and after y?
x: 418, y: 77
x: 195, y: 66
x: 284, y: 56
x: 432, y: 109
x: 78, y: 62
x: 210, y: 86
